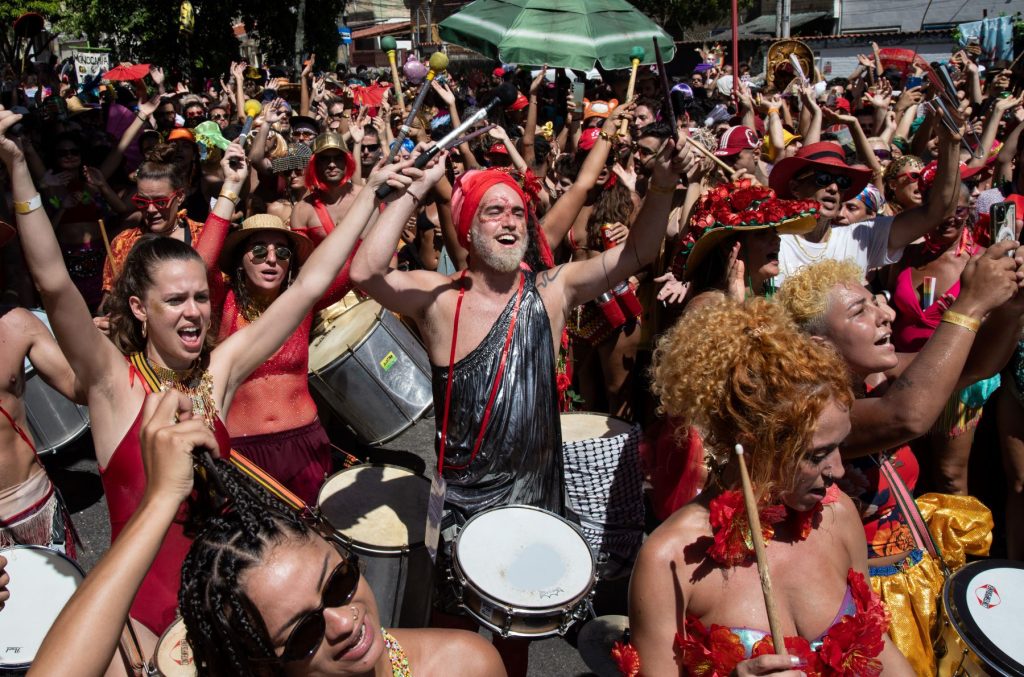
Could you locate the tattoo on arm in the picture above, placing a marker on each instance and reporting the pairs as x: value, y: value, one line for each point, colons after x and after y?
x: 902, y: 383
x: 548, y: 276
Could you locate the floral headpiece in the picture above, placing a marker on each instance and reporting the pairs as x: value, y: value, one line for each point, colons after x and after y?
x: 740, y: 205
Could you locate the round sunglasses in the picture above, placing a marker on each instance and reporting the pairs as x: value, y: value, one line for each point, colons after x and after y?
x: 260, y: 252
x: 308, y: 633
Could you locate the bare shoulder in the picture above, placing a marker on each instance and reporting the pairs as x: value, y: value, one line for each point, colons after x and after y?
x: 302, y: 212
x: 665, y: 546
x: 436, y: 651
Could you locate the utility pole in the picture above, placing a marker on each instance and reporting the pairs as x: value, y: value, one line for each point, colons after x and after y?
x: 778, y: 18
x: 300, y: 35
x: 784, y: 27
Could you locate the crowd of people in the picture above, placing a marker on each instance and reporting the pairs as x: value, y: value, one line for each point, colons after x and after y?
x: 804, y: 267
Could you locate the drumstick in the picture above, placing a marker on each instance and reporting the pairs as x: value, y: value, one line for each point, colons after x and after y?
x: 754, y: 520
x: 106, y: 243
x: 730, y: 172
x: 635, y: 55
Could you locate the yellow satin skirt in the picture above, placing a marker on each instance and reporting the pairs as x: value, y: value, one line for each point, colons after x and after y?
x: 912, y: 590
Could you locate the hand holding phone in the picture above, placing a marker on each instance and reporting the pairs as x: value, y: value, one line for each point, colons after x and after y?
x: 1003, y: 216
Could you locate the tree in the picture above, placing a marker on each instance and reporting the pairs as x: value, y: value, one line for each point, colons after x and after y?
x: 677, y: 16
x: 10, y: 10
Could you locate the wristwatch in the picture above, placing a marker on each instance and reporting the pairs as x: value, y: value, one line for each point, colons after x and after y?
x: 28, y: 207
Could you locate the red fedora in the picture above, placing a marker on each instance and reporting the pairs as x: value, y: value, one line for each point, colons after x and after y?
x: 822, y: 155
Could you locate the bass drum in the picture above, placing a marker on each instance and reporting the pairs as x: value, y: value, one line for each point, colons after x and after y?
x: 42, y: 582
x: 54, y: 420
x: 370, y: 371
x: 983, y: 605
x: 173, y: 655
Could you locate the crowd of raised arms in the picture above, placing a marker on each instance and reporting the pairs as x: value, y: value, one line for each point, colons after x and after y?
x: 605, y: 284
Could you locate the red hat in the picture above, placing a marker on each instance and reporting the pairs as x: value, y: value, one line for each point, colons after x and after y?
x: 470, y: 189
x: 588, y: 138
x: 497, y: 149
x: 826, y: 155
x: 520, y: 103
x: 843, y: 104
x: 499, y: 72
x: 737, y: 139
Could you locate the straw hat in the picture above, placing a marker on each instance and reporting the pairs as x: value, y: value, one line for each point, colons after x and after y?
x: 262, y: 223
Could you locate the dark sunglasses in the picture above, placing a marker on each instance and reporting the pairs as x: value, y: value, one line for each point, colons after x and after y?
x: 195, y: 114
x: 371, y: 148
x: 160, y: 203
x: 303, y: 133
x: 882, y: 155
x: 218, y: 116
x: 823, y: 178
x: 339, y: 590
x: 68, y: 152
x: 261, y: 251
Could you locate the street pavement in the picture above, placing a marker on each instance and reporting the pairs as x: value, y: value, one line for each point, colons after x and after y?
x: 74, y: 470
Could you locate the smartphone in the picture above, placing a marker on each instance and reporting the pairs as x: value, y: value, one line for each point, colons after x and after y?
x: 1003, y: 222
x: 914, y: 81
x: 577, y: 94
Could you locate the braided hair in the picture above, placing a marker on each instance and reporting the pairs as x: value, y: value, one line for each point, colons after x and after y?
x: 224, y: 628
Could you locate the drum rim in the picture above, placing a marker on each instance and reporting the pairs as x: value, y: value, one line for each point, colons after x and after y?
x: 352, y: 348
x: 77, y: 567
x: 370, y: 548
x: 525, y: 610
x: 993, y: 657
x: 631, y: 427
x: 163, y: 635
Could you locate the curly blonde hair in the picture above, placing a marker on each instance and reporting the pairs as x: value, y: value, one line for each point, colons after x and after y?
x: 804, y: 294
x: 744, y: 373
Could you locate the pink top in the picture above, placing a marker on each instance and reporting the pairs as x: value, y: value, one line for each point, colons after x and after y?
x: 913, y: 325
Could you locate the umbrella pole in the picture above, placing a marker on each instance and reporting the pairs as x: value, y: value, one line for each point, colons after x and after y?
x: 735, y: 50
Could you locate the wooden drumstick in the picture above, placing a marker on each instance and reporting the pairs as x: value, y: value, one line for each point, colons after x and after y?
x: 754, y: 520
x: 729, y: 171
x: 106, y: 244
x: 635, y: 55
x: 391, y: 45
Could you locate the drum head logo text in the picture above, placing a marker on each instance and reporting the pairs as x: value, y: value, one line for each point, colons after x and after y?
x: 988, y: 596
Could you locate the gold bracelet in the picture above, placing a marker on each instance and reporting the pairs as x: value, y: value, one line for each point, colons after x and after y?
x: 773, y: 110
x: 661, y: 190
x: 229, y: 195
x: 961, y: 320
x: 610, y: 138
x: 28, y: 207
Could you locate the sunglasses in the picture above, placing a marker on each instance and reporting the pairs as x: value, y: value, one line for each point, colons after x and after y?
x: 303, y: 134
x: 883, y: 155
x: 195, y: 114
x: 962, y: 212
x: 912, y: 175
x: 218, y: 116
x: 371, y: 148
x: 823, y: 178
x: 339, y: 590
x: 160, y: 203
x: 261, y: 251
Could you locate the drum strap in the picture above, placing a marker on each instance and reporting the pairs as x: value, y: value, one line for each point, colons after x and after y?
x: 69, y: 525
x: 141, y: 366
x: 908, y: 506
x: 497, y: 377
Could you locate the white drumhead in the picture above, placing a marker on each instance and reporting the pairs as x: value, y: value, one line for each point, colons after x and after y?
x: 525, y: 557
x: 585, y: 426
x: 42, y: 581
x: 343, y: 334
x: 173, y: 654
x: 995, y: 600
x: 377, y: 505
x: 328, y: 315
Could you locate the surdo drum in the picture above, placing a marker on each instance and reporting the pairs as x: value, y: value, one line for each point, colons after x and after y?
x: 173, y: 655
x: 369, y: 370
x: 380, y: 512
x: 42, y: 582
x: 523, y: 571
x: 983, y: 624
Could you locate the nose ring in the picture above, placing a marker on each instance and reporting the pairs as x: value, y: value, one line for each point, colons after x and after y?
x: 355, y: 614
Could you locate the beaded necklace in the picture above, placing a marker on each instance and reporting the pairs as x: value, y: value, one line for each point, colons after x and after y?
x: 399, y: 661
x: 195, y: 382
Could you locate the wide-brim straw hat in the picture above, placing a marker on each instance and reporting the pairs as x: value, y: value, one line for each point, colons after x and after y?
x: 263, y: 223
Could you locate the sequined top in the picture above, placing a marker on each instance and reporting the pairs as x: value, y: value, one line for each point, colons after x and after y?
x: 396, y: 655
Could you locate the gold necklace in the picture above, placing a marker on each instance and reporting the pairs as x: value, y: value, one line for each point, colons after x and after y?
x: 195, y: 382
x: 813, y: 257
x: 251, y: 309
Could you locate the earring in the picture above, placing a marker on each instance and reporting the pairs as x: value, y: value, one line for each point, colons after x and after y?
x: 143, y: 329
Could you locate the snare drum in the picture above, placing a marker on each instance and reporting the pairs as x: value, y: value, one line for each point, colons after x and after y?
x: 523, y: 571
x: 54, y: 420
x: 173, y: 656
x: 42, y: 582
x: 380, y: 511
x: 983, y: 624
x: 370, y: 372
x: 604, y: 486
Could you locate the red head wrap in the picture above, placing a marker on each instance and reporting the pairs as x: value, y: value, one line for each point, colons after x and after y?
x: 469, y: 191
x: 315, y: 183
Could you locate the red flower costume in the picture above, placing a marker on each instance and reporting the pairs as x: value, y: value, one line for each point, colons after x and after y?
x: 733, y: 543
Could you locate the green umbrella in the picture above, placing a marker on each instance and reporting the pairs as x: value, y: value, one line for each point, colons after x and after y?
x: 560, y: 33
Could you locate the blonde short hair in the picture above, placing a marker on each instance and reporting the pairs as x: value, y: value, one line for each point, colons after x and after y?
x: 804, y: 294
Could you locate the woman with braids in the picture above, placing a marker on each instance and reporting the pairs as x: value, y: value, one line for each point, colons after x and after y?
x: 899, y: 396
x: 160, y: 318
x: 229, y: 626
x: 744, y: 374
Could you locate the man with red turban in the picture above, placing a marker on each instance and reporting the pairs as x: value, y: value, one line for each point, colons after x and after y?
x: 491, y: 333
x: 331, y: 191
